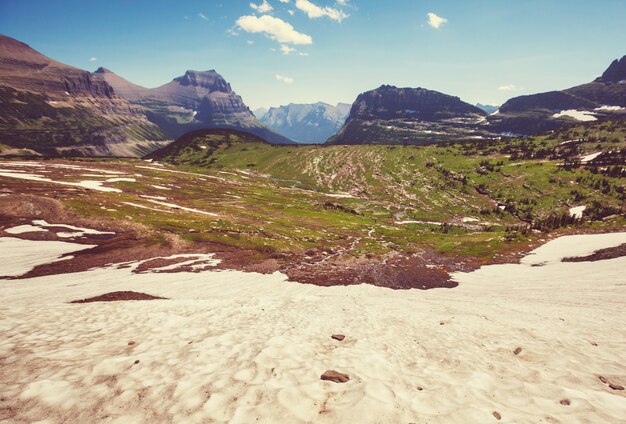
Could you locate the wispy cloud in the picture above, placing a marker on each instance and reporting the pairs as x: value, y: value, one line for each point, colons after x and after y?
x: 203, y: 16
x: 93, y: 59
x: 314, y: 11
x: 263, y: 7
x: 285, y: 49
x: 435, y: 20
x: 509, y: 87
x: 274, y: 28
x: 282, y: 78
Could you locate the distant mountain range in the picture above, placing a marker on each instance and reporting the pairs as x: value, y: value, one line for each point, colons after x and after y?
x: 305, y: 123
x: 487, y: 108
x: 49, y: 108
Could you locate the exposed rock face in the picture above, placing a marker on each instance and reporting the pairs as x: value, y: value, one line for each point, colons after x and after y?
x: 51, y: 108
x: 307, y: 123
x: 122, y: 87
x: 190, y: 89
x: 196, y: 100
x: 392, y: 115
x: 542, y: 112
x: 389, y: 102
x: 23, y: 68
x: 616, y: 72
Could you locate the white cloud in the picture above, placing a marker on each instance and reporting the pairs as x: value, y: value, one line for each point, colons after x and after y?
x: 291, y: 12
x: 250, y: 42
x: 263, y: 7
x: 203, y: 17
x: 313, y: 11
x: 285, y: 49
x: 274, y: 28
x: 508, y: 87
x: 282, y: 78
x: 284, y: 1
x: 436, y: 21
x: 342, y: 2
x: 93, y: 59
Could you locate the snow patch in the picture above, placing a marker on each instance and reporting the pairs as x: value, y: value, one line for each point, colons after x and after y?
x: 607, y: 108
x: 20, y: 256
x: 174, y: 206
x: 21, y: 229
x: 469, y: 219
x: 579, y: 115
x: 414, y: 221
x: 590, y: 157
x: 577, y: 212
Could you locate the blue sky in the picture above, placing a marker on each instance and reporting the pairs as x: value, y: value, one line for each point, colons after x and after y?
x: 480, y: 50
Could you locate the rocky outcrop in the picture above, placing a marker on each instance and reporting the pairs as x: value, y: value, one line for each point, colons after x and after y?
x: 615, y: 73
x: 306, y: 123
x: 335, y: 376
x: 392, y: 115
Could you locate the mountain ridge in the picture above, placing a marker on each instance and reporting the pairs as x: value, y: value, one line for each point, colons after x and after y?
x: 50, y: 108
x: 195, y: 100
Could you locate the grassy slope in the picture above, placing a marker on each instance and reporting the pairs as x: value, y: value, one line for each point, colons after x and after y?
x: 273, y: 198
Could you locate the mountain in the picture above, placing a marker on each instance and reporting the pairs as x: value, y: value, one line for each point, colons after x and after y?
x: 260, y: 112
x: 307, y: 123
x: 196, y: 100
x: 198, y: 147
x: 123, y: 88
x: 47, y: 107
x: 603, y: 98
x: 392, y: 115
x: 487, y: 108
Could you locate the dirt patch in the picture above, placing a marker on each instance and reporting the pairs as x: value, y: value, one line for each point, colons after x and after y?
x: 600, y: 255
x: 423, y: 272
x: 119, y: 296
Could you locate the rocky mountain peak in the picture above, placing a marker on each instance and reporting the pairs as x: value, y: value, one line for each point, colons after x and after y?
x: 102, y: 70
x: 210, y: 80
x: 390, y: 102
x: 616, y: 72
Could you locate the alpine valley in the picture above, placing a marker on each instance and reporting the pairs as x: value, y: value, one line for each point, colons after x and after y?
x: 171, y: 256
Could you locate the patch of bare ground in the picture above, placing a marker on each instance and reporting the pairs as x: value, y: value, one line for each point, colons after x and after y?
x: 600, y: 255
x: 399, y: 272
x: 119, y: 296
